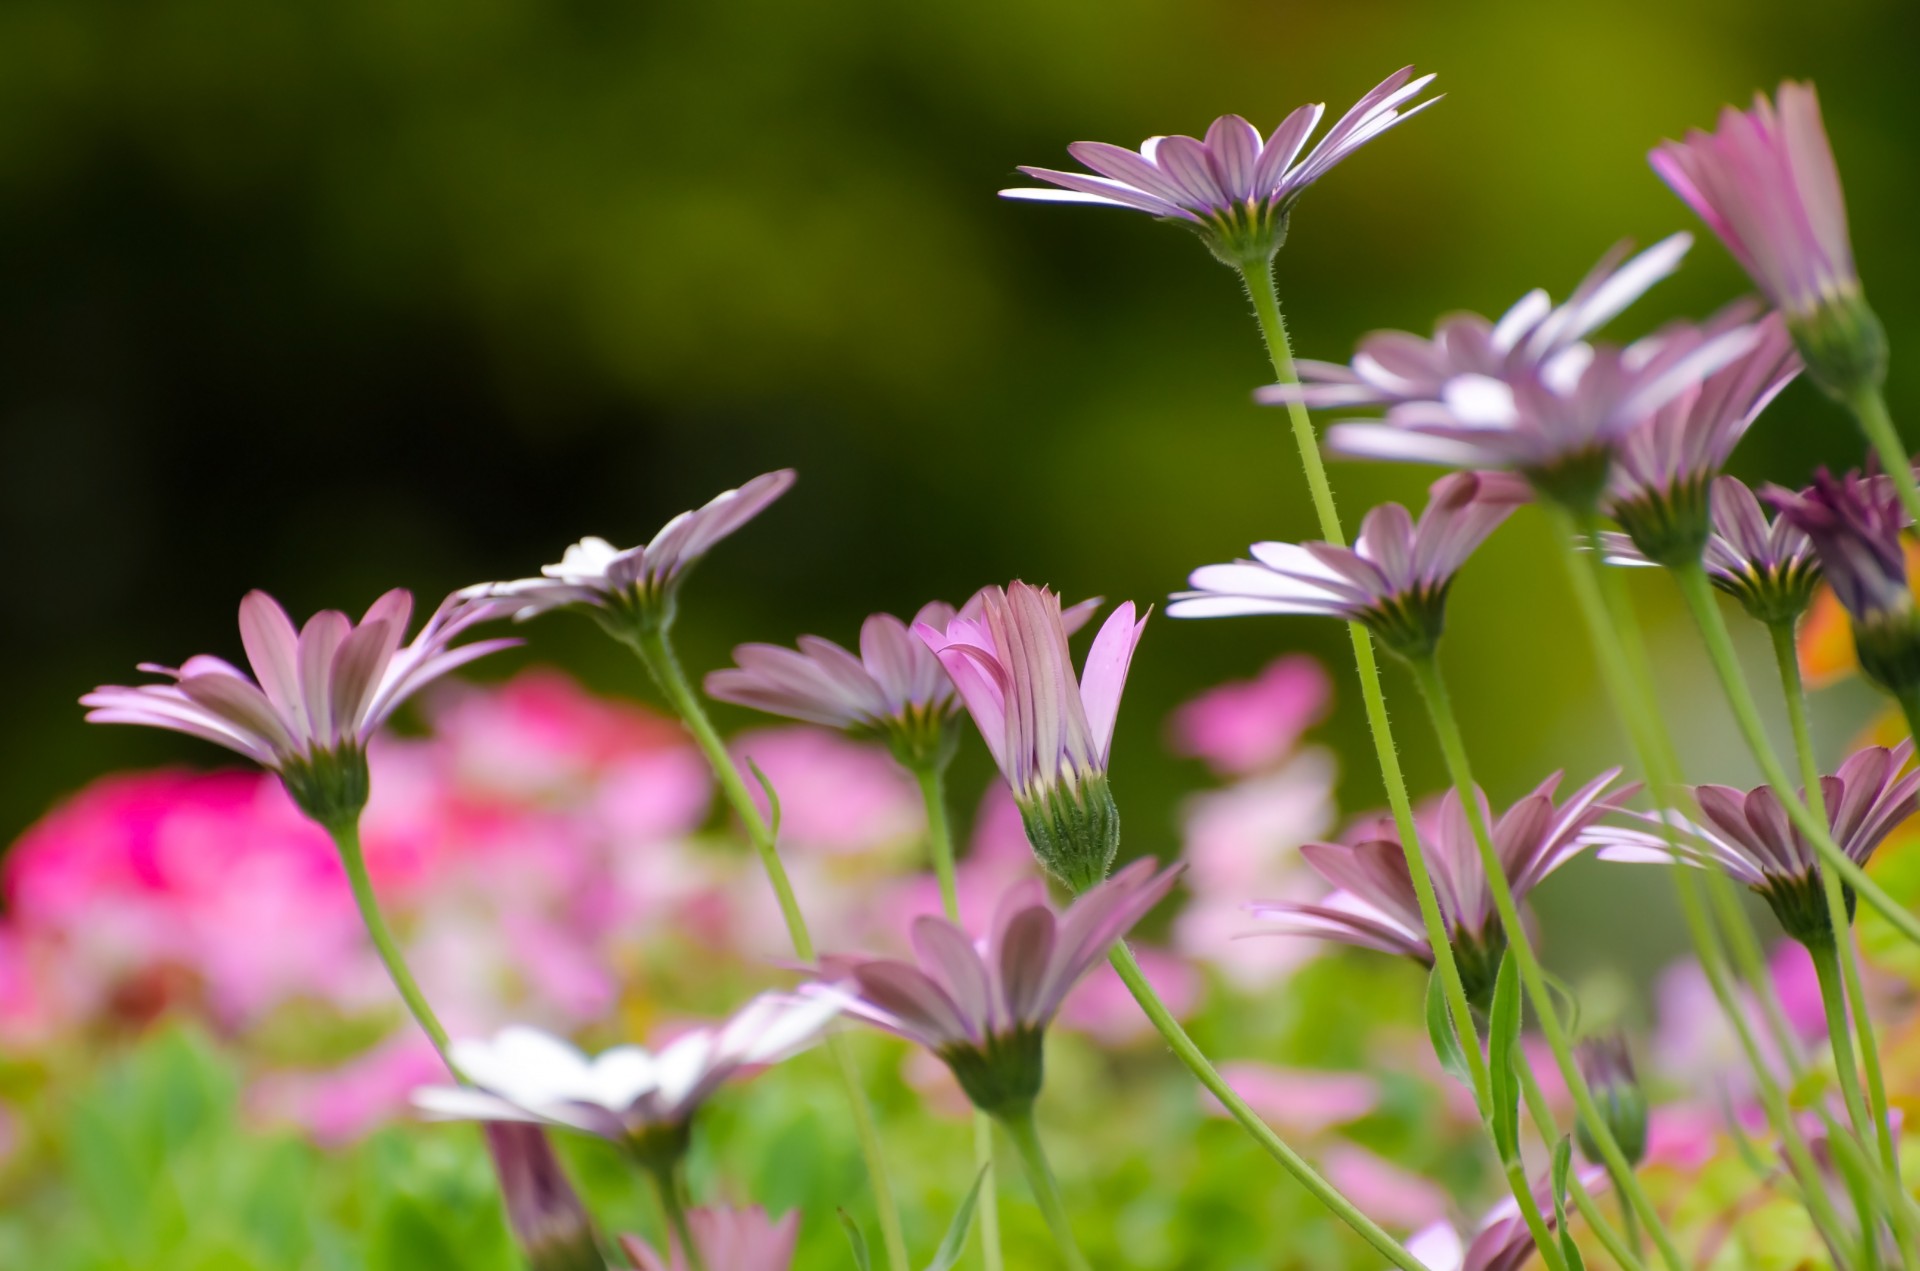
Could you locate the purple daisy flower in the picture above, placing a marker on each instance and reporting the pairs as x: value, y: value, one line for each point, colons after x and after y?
x: 1769, y: 567
x: 1374, y: 905
x: 1748, y: 835
x: 1233, y: 188
x: 1394, y: 578
x: 1855, y: 523
x: 984, y: 1007
x: 1766, y: 183
x: 317, y: 694
x: 1050, y: 732
x: 1664, y: 466
x: 638, y: 584
x: 895, y: 687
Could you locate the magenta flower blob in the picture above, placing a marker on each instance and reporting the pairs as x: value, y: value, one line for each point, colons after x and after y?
x: 316, y: 696
x: 1233, y: 187
x: 1766, y: 183
x: 1049, y: 731
x: 1374, y: 905
x: 1394, y: 578
x: 984, y: 1008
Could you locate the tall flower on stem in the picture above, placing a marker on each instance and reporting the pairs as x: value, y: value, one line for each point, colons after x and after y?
x: 984, y: 1009
x: 1855, y: 524
x: 1233, y: 188
x: 1049, y: 731
x: 1667, y: 464
x: 1394, y: 578
x: 1747, y: 835
x: 316, y: 697
x: 1525, y: 393
x: 633, y: 594
x: 1373, y: 905
x: 1768, y: 566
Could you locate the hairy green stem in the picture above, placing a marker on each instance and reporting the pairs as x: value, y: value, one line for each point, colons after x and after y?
x: 346, y: 838
x: 933, y: 793
x: 658, y: 656
x: 1046, y: 1193
x: 1189, y: 1054
x: 1625, y: 1250
x: 1433, y: 687
x: 1786, y: 657
x: 1869, y: 406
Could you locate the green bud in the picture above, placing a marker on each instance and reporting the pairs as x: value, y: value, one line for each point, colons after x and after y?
x: 1074, y: 829
x: 1606, y: 1064
x: 1843, y: 345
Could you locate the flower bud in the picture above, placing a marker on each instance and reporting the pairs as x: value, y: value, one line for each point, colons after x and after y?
x: 1843, y: 344
x: 1607, y: 1067
x: 548, y: 1220
x: 1074, y: 828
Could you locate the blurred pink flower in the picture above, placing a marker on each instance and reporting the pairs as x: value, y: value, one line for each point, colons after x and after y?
x: 1383, y: 1191
x: 338, y: 1105
x: 1248, y: 725
x: 729, y: 1239
x: 1298, y: 1101
x: 837, y: 796
x: 1103, y: 1008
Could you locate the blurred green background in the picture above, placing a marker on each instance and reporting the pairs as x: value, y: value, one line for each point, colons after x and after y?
x: 326, y: 298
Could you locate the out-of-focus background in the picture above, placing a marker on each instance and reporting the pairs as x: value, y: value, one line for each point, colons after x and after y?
x: 328, y: 298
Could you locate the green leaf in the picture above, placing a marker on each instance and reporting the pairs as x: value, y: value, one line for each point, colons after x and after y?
x: 1446, y: 1042
x: 1562, y: 1167
x: 861, y: 1258
x: 956, y: 1238
x: 1503, y: 1054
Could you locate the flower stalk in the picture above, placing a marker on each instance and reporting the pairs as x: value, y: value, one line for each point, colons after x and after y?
x: 656, y: 652
x: 931, y: 777
x: 1426, y: 673
x: 1869, y: 406
x: 346, y: 839
x: 1046, y: 1192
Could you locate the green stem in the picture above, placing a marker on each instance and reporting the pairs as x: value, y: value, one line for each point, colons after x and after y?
x: 1426, y: 672
x: 931, y: 777
x: 1046, y: 1193
x: 1633, y: 700
x: 1266, y: 303
x: 1625, y: 1251
x: 346, y: 837
x: 1870, y: 408
x: 1183, y: 1047
x: 1786, y: 656
x: 657, y: 654
x: 666, y: 1188
x: 1699, y: 594
x: 1826, y: 966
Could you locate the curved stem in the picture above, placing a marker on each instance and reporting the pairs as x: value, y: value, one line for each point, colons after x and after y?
x: 1433, y: 687
x: 1266, y: 304
x: 933, y: 794
x: 346, y: 838
x: 1046, y: 1193
x: 1787, y: 658
x: 1870, y: 408
x: 1189, y: 1054
x: 657, y: 654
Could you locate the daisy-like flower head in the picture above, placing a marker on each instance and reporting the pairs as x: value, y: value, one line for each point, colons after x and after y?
x: 316, y: 695
x: 1766, y: 183
x: 895, y: 687
x: 984, y: 1007
x: 629, y: 589
x: 1374, y: 905
x: 1665, y: 465
x: 728, y: 1240
x: 1050, y: 732
x: 644, y: 1100
x: 1749, y: 836
x: 1769, y: 567
x: 1855, y: 523
x: 1606, y: 1065
x: 1394, y: 578
x: 1232, y: 188
x: 548, y: 1220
